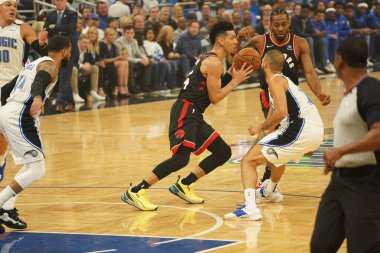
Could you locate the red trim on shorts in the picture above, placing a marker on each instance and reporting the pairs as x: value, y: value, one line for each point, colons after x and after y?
x: 280, y: 45
x: 295, y: 47
x: 207, y: 143
x: 264, y: 100
x: 185, y: 143
x: 183, y: 112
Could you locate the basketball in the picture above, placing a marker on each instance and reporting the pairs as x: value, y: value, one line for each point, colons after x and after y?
x: 248, y: 55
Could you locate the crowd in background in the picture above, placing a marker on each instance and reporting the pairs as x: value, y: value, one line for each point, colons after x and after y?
x: 125, y: 48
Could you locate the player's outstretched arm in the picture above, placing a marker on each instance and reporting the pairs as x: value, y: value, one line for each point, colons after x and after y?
x: 213, y: 69
x: 310, y: 74
x: 46, y: 74
x: 38, y: 44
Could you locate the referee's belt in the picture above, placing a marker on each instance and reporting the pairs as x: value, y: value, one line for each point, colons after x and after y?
x: 359, y: 171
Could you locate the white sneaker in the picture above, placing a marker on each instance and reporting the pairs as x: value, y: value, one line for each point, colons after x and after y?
x: 242, y: 213
x: 369, y: 63
x: 96, y: 96
x: 263, y: 193
x: 318, y: 71
x: 329, y: 67
x: 77, y: 98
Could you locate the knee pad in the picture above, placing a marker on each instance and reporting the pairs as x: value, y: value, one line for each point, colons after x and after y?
x: 30, y: 173
x: 173, y: 164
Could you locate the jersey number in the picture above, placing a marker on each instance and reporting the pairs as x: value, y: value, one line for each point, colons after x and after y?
x: 289, y: 61
x: 20, y: 83
x: 4, y: 55
x: 187, y: 81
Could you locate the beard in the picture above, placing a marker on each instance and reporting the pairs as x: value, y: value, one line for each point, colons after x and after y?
x: 64, y: 62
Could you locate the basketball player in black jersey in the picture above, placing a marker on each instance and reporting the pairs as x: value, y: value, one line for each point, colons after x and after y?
x: 188, y: 131
x: 296, y: 52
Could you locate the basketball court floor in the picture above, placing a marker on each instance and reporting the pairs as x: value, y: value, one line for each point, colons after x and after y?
x: 93, y: 156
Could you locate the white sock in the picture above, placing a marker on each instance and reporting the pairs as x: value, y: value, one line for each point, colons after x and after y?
x: 250, y: 198
x: 2, y: 159
x: 6, y: 194
x: 10, y: 204
x: 272, y: 186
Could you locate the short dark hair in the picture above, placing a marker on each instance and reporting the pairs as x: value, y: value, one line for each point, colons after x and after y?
x: 128, y: 27
x: 277, y: 12
x: 220, y: 29
x: 354, y: 52
x: 57, y: 43
x: 338, y: 3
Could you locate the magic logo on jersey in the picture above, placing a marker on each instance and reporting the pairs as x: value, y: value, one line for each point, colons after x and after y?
x: 5, y: 43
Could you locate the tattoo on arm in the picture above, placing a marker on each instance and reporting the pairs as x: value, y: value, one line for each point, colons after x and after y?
x: 50, y: 68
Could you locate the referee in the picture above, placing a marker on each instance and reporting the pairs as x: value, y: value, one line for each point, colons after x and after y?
x: 350, y: 206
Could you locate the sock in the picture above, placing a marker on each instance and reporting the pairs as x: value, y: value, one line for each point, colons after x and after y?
x: 10, y: 204
x: 267, y: 173
x: 191, y: 178
x: 142, y: 185
x: 2, y: 160
x: 250, y: 198
x: 272, y: 186
x: 6, y: 194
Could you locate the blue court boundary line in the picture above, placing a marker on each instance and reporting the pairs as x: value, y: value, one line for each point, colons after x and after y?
x: 155, y: 188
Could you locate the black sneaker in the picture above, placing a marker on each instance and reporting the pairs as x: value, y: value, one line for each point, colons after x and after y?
x: 10, y: 219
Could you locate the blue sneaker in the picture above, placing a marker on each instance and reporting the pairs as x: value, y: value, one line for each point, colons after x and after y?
x: 242, y: 213
x: 2, y: 168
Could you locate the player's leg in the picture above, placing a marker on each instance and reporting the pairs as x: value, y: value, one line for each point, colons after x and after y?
x: 264, y: 99
x: 30, y: 173
x: 136, y: 196
x: 3, y: 153
x: 249, y: 163
x: 220, y: 154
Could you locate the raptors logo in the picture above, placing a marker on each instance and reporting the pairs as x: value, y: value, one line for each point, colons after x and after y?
x: 179, y: 134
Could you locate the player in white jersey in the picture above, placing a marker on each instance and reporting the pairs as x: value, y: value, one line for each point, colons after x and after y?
x: 300, y: 132
x: 15, y: 39
x: 18, y: 117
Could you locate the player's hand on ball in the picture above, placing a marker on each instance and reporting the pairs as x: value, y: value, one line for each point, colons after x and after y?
x: 246, y: 33
x: 240, y: 75
x: 324, y: 98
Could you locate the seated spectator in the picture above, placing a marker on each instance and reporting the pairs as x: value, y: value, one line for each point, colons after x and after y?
x: 114, y: 24
x: 373, y: 22
x: 139, y: 66
x: 247, y: 7
x: 205, y: 15
x: 165, y: 18
x: 263, y: 25
x: 344, y: 25
x: 180, y: 29
x: 93, y: 21
x: 332, y: 38
x: 93, y: 49
x: 83, y: 66
x: 116, y: 65
x: 237, y: 21
x: 156, y: 57
x: 177, y: 14
x: 189, y: 47
x: 153, y: 20
x: 102, y: 11
x: 85, y: 15
x: 165, y: 39
x: 320, y: 34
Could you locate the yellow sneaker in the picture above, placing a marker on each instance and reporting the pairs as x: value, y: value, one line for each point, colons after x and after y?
x: 138, y: 200
x: 185, y: 192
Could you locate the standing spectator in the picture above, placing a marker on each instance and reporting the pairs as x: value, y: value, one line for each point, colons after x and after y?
x: 119, y: 9
x: 116, y: 65
x: 63, y: 21
x: 85, y: 12
x: 148, y: 3
x: 189, y: 47
x: 102, y: 11
x: 165, y: 39
x: 350, y: 206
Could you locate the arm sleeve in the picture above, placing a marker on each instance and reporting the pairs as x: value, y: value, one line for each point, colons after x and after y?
x: 6, y: 90
x: 368, y: 101
x: 41, y: 81
x: 41, y: 50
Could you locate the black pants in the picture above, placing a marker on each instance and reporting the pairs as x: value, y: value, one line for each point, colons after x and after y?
x: 350, y: 208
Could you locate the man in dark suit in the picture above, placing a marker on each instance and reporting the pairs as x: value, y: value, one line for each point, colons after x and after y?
x: 63, y: 21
